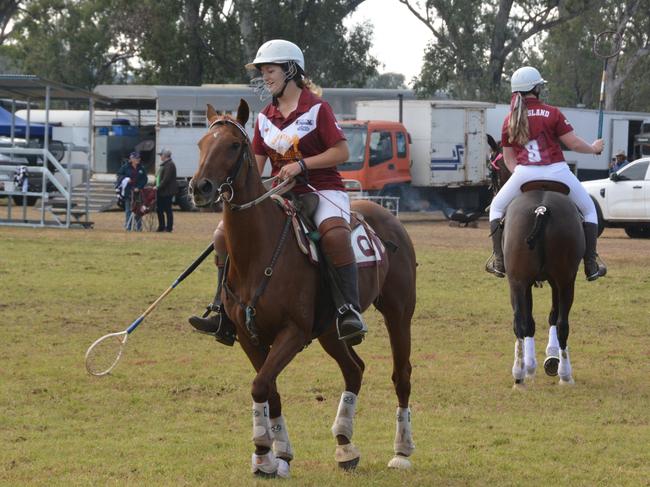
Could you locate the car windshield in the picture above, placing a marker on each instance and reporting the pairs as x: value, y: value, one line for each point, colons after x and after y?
x: 356, y: 137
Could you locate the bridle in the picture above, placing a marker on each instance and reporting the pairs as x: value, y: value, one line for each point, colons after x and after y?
x: 226, y: 187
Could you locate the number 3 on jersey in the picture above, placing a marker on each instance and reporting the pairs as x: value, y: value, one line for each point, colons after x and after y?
x: 533, y: 151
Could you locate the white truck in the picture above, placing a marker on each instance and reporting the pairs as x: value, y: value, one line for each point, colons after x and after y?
x: 443, y: 166
x: 623, y: 200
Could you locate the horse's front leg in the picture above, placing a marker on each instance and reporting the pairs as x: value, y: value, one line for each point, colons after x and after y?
x: 273, y: 451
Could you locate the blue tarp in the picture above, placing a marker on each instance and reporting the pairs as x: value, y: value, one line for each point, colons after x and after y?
x: 20, y: 126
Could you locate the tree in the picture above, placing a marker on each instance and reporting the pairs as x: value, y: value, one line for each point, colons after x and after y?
x: 71, y: 42
x: 8, y: 10
x: 386, y: 81
x: 474, y: 41
x: 575, y: 71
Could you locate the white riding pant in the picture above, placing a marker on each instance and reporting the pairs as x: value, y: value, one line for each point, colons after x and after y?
x: 558, y: 171
x: 332, y: 203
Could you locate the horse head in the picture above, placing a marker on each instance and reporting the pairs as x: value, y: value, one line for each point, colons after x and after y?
x: 224, y: 155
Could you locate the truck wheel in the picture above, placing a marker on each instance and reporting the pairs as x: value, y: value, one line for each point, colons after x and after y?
x: 183, y: 200
x: 642, y: 231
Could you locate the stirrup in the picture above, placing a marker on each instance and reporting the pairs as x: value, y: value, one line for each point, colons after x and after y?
x: 357, y: 334
x: 218, y: 325
x: 601, y: 270
x: 490, y: 266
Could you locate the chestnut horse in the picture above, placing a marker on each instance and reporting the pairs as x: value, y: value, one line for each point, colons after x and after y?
x: 542, y: 240
x: 276, y: 297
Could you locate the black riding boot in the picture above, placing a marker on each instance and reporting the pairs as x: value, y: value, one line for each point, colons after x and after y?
x: 495, y: 264
x: 218, y: 324
x: 350, y: 325
x: 594, y: 267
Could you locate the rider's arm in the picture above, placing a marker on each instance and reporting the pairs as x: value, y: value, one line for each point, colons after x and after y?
x: 335, y: 155
x: 576, y: 144
x: 510, y: 158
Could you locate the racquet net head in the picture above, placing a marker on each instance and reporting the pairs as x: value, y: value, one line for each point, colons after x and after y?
x: 607, y: 44
x: 103, y: 355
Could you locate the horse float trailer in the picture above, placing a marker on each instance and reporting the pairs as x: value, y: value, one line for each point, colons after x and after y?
x: 432, y: 154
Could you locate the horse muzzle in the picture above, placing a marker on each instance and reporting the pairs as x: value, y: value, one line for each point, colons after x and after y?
x: 203, y: 192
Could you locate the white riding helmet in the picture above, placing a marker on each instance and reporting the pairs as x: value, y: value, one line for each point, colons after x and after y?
x: 525, y: 79
x: 278, y: 51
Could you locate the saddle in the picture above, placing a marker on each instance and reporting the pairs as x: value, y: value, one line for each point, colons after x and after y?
x: 368, y: 248
x: 544, y: 185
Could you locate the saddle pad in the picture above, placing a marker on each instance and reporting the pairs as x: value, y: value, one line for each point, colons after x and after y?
x: 368, y: 249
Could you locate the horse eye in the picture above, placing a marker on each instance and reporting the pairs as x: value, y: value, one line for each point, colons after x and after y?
x: 235, y: 145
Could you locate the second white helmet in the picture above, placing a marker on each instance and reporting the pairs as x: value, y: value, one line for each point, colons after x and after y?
x: 278, y: 51
x: 525, y: 79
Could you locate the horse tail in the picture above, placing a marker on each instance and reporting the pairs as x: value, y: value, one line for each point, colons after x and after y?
x: 542, y: 214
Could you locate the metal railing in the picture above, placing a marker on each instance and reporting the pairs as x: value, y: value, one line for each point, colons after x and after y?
x: 47, y: 178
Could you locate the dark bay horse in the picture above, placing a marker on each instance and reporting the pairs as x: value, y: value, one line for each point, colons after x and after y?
x: 275, y: 321
x: 542, y: 240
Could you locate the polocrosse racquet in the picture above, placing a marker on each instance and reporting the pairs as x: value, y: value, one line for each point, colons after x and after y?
x: 104, y: 354
x: 606, y: 45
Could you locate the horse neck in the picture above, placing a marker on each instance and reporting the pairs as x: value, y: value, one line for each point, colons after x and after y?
x: 248, y: 230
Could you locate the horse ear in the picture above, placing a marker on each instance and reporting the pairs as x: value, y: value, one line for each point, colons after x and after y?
x: 242, y: 112
x: 212, y: 114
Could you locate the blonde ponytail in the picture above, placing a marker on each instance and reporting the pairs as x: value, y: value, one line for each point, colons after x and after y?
x: 518, y: 131
x: 311, y: 86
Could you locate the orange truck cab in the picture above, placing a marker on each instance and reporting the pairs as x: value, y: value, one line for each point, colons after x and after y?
x: 380, y: 157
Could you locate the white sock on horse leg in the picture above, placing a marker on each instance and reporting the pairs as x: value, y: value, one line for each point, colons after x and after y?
x: 343, y: 423
x: 403, y: 437
x: 552, y: 339
x: 281, y: 444
x: 262, y: 435
x: 529, y: 354
x: 564, y: 369
x: 518, y: 371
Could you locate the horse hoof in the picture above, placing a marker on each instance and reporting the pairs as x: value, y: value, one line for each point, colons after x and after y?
x: 284, y: 469
x: 567, y: 382
x: 399, y: 462
x: 519, y: 386
x: 550, y: 366
x: 264, y: 475
x: 350, y: 465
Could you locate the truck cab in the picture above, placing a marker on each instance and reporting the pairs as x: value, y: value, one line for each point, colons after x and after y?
x: 379, y: 154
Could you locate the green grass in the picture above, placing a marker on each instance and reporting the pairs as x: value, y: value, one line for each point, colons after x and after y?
x: 176, y: 411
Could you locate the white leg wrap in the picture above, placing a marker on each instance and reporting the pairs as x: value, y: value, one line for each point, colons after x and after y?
x: 553, y: 347
x: 262, y: 435
x: 529, y: 355
x: 266, y: 463
x: 343, y: 423
x: 564, y: 369
x: 346, y: 453
x: 518, y: 371
x: 403, y: 438
x: 281, y: 444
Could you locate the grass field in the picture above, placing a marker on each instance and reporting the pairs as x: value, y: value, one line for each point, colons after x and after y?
x: 176, y: 411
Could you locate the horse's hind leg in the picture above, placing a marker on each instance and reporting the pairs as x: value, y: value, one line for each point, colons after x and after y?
x: 530, y: 361
x: 520, y: 299
x: 397, y: 318
x: 552, y: 359
x: 346, y: 455
x: 565, y: 301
